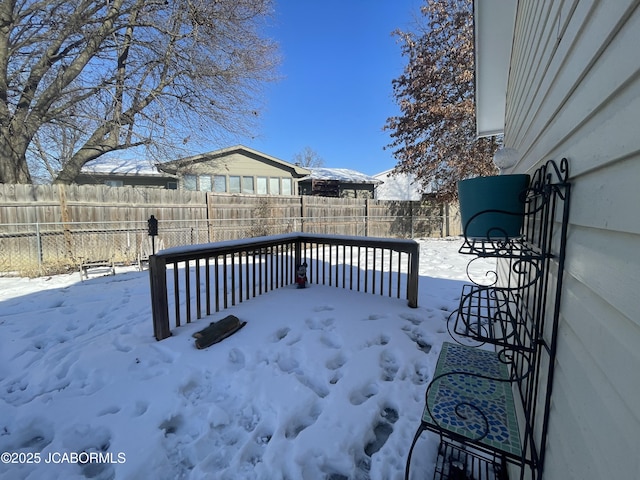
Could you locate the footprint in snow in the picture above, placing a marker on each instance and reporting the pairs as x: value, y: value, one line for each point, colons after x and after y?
x: 419, y: 340
x: 88, y: 439
x: 112, y: 410
x: 315, y: 323
x: 281, y: 334
x: 172, y: 425
x: 380, y: 340
x: 140, y: 408
x: 287, y: 363
x: 375, y: 316
x: 314, y: 385
x: 334, y: 365
x: 358, y: 397
x: 249, y: 418
x: 119, y: 346
x: 331, y: 340
x: 382, y: 430
x: 414, y: 319
x: 253, y: 450
x: 237, y: 358
x: 196, y: 389
x: 302, y: 421
x: 323, y: 308
x: 420, y: 374
x: 336, y: 362
x: 31, y: 435
x: 389, y: 364
x: 335, y: 378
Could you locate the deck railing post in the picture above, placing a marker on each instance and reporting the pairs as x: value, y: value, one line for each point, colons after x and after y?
x: 412, y: 281
x: 159, y: 302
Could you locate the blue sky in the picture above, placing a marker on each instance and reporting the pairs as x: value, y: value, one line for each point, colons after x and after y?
x: 335, y: 93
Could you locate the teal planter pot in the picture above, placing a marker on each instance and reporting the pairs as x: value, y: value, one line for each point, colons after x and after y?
x: 493, y: 207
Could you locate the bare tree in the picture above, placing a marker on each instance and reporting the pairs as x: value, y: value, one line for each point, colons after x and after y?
x: 119, y: 74
x: 434, y: 136
x: 308, y: 158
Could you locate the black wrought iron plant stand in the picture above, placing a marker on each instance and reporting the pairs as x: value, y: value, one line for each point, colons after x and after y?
x: 489, y: 399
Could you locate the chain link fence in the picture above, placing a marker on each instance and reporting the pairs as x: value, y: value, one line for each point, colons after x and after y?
x: 36, y: 249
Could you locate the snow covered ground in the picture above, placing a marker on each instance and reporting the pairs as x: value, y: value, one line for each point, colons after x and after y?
x: 321, y: 384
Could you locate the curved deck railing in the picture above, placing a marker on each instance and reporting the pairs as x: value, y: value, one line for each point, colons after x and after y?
x: 209, y: 277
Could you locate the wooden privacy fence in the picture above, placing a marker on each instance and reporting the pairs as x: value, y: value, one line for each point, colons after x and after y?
x: 96, y: 204
x: 241, y: 216
x: 208, y: 278
x: 47, y: 229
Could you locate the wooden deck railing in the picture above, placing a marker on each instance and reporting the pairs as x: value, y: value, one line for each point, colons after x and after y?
x: 210, y: 277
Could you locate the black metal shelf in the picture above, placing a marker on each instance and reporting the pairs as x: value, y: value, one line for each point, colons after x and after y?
x: 516, y: 248
x: 495, y: 316
x: 460, y: 462
x: 491, y: 406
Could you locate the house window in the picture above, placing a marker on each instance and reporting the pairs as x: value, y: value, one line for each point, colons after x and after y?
x: 219, y: 183
x: 262, y: 185
x: 190, y: 182
x: 172, y: 185
x: 274, y: 186
x: 247, y: 185
x: 287, y: 186
x: 114, y: 183
x: 205, y: 183
x: 234, y: 184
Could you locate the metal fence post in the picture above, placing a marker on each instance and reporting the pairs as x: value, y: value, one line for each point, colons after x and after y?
x: 39, y: 247
x: 411, y: 215
x: 366, y: 217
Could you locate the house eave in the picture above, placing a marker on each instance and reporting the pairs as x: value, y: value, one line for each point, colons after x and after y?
x: 494, y: 23
x: 174, y: 165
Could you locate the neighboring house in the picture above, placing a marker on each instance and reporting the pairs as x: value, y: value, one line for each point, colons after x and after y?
x: 562, y: 79
x: 338, y: 182
x: 397, y: 187
x: 236, y: 169
x: 124, y: 173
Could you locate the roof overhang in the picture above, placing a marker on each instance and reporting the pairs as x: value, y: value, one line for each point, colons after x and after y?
x: 494, y: 22
x: 173, y: 165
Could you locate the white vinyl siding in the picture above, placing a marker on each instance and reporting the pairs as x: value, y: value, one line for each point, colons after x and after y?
x: 574, y: 92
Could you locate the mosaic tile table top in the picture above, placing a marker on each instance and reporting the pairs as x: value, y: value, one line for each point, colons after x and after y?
x: 454, y: 402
